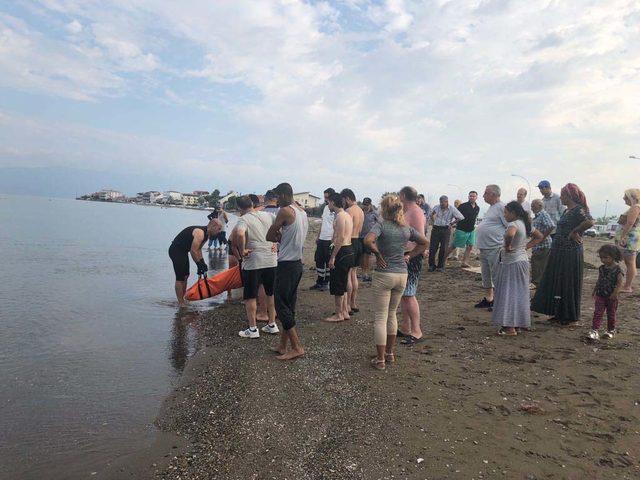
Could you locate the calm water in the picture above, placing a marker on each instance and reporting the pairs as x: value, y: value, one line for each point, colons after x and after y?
x: 90, y: 341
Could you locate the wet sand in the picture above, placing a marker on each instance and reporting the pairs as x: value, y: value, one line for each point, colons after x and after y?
x: 464, y: 404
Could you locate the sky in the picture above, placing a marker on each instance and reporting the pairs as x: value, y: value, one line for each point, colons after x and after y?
x: 447, y: 96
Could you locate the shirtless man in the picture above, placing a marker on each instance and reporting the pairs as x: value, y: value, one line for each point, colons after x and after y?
x: 357, y: 215
x: 190, y: 241
x: 341, y: 259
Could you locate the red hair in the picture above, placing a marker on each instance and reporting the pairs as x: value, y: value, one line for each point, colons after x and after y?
x: 577, y: 195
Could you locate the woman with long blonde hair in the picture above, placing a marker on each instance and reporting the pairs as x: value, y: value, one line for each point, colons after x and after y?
x: 387, y: 240
x: 628, y: 237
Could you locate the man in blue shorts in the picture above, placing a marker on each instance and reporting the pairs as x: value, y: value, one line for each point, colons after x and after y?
x: 465, y: 236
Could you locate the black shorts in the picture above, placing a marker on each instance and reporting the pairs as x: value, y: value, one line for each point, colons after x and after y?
x: 358, y: 251
x: 252, y: 279
x: 339, y: 276
x: 180, y: 260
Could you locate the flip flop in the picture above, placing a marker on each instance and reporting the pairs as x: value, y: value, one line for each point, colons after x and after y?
x: 503, y: 333
x: 354, y: 310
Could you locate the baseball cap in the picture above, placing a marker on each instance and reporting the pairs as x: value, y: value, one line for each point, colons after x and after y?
x: 366, y: 201
x: 544, y: 184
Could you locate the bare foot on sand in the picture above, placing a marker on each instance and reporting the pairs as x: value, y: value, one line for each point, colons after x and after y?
x: 626, y: 290
x: 291, y: 354
x: 336, y: 318
x: 279, y: 351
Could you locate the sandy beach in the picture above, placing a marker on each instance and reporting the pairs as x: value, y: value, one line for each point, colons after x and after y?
x: 465, y: 404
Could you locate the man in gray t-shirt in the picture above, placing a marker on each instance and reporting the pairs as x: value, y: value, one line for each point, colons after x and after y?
x: 489, y: 238
x: 259, y: 260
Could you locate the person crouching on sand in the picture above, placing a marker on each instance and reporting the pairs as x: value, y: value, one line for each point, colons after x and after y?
x: 387, y: 241
x: 341, y: 260
x: 290, y: 230
x: 190, y: 241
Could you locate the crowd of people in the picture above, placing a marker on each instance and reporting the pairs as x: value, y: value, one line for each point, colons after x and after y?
x: 269, y: 238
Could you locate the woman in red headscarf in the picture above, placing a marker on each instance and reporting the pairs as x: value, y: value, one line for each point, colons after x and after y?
x: 560, y: 289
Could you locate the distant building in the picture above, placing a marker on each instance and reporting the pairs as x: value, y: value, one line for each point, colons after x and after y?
x: 151, y: 196
x: 190, y: 199
x: 306, y: 200
x: 109, y: 195
x: 201, y: 193
x: 225, y: 199
x: 173, y: 197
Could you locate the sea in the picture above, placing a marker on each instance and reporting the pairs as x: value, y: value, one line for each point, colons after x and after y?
x: 91, y: 339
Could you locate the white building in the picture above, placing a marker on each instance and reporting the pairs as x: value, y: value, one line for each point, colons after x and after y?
x: 173, y: 197
x: 306, y: 200
x: 226, y: 198
x: 109, y: 195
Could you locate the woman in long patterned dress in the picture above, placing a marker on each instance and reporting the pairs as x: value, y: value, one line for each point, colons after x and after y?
x: 560, y: 290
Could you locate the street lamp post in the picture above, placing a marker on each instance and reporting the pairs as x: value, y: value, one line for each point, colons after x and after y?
x: 523, y: 178
x: 606, y: 207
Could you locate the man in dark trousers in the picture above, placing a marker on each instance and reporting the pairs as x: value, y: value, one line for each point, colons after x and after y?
x: 290, y: 231
x: 323, y: 244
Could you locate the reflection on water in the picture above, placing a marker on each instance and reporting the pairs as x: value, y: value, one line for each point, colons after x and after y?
x: 183, y: 341
x: 88, y: 356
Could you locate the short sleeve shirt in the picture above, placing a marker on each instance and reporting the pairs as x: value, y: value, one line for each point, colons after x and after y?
x: 490, y: 232
x: 256, y: 225
x: 542, y: 222
x: 391, y: 239
x: 470, y: 213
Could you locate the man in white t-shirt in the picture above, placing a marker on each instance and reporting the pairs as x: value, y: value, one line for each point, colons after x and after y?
x: 323, y: 244
x: 489, y: 239
x: 259, y: 261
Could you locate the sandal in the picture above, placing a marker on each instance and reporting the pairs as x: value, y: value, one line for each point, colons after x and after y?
x: 503, y: 332
x: 378, y: 364
x: 390, y: 357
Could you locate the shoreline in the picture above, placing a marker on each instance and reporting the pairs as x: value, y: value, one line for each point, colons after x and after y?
x: 463, y: 404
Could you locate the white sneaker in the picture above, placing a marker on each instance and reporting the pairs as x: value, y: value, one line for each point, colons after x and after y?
x: 609, y: 334
x: 272, y: 329
x: 593, y: 335
x: 248, y: 333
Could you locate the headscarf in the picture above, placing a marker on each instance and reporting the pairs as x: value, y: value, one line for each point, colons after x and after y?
x: 576, y: 195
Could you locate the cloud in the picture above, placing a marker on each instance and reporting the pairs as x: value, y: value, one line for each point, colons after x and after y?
x: 379, y: 93
x: 74, y: 27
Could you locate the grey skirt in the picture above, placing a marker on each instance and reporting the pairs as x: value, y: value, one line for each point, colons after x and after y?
x: 511, y: 301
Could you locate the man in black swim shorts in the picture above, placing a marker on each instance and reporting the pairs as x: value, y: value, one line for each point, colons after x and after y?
x: 190, y: 240
x: 341, y: 259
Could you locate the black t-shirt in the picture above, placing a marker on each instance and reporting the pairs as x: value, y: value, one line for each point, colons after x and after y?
x: 184, y: 239
x: 470, y: 214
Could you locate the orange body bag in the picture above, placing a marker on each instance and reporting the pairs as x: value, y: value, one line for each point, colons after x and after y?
x: 212, y: 286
